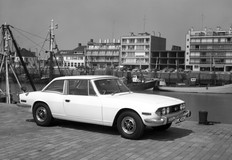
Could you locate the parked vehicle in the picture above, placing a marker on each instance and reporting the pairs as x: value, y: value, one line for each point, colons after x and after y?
x: 103, y: 100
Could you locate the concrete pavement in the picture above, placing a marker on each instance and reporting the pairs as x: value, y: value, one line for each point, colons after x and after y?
x: 21, y: 138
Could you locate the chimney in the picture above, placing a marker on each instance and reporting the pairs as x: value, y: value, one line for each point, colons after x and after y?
x: 79, y: 44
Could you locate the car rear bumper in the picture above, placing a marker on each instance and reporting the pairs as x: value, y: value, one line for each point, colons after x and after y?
x: 176, y: 118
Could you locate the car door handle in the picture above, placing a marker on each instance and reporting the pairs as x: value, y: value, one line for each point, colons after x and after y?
x: 67, y: 100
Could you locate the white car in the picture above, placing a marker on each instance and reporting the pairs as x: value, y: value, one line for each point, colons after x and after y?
x: 103, y: 100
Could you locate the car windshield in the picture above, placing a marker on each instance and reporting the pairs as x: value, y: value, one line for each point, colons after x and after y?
x: 110, y: 86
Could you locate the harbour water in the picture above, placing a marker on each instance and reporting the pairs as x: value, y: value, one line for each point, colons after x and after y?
x: 218, y: 106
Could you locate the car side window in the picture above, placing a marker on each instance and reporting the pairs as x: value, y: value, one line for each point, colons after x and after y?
x: 56, y: 86
x: 78, y: 87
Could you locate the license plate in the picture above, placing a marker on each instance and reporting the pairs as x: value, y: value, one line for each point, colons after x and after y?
x: 171, y: 119
x: 179, y: 120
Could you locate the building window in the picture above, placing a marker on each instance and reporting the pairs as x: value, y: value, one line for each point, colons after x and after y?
x: 140, y: 40
x: 131, y: 40
x: 196, y: 66
x: 195, y: 54
x: 124, y: 40
x: 139, y: 47
x: 147, y: 40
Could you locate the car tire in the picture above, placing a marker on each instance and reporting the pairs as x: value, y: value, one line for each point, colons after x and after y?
x: 42, y: 114
x: 130, y: 125
x: 163, y: 127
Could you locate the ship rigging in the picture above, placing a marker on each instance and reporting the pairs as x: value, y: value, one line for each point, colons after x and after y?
x: 9, y: 46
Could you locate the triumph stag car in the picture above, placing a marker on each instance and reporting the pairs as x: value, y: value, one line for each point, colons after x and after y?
x: 103, y: 100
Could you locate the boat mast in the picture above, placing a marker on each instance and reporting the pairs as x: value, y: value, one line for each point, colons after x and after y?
x: 51, y: 32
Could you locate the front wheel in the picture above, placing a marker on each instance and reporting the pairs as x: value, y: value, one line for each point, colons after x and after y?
x: 42, y: 114
x: 130, y: 125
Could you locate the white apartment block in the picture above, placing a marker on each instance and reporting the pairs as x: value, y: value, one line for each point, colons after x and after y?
x: 103, y: 53
x: 209, y: 50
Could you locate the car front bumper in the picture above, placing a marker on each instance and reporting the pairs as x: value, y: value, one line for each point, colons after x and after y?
x: 162, y: 120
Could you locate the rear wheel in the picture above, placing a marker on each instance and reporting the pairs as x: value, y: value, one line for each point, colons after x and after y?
x: 130, y: 125
x: 163, y: 127
x: 42, y: 114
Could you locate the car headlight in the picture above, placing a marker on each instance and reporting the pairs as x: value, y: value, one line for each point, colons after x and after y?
x: 163, y: 111
x: 168, y: 110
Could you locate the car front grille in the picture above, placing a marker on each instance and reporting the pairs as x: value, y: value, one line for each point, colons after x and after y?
x: 174, y: 108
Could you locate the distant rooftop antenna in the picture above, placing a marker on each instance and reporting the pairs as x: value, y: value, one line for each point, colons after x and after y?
x: 202, y: 21
x: 132, y: 33
x: 153, y: 33
x: 144, y: 23
x: 113, y: 29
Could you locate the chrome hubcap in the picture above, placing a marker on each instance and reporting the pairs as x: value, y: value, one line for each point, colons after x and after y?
x: 128, y: 125
x: 41, y: 114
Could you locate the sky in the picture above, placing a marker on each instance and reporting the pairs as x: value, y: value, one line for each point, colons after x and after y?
x: 81, y: 20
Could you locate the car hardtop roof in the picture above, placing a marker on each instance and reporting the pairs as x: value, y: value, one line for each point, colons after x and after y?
x: 85, y: 77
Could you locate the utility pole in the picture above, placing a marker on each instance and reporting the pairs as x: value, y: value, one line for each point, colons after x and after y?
x: 6, y: 55
x: 156, y: 63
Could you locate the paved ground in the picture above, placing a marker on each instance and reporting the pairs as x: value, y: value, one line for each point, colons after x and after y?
x: 21, y: 138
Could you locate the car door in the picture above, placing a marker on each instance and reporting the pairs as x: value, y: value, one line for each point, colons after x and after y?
x: 81, y: 102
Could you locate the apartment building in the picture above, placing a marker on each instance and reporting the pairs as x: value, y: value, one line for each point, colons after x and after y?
x: 209, y: 50
x: 103, y: 53
x: 136, y: 49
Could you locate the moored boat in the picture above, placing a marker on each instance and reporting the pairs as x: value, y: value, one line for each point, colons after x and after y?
x: 224, y: 89
x: 140, y: 86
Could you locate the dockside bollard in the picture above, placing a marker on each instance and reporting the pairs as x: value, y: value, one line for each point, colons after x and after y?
x: 203, y: 117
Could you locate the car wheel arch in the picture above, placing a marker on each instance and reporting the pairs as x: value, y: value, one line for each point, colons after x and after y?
x: 120, y: 112
x: 39, y: 102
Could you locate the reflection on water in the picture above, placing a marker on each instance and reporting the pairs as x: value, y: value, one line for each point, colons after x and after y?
x: 218, y: 106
